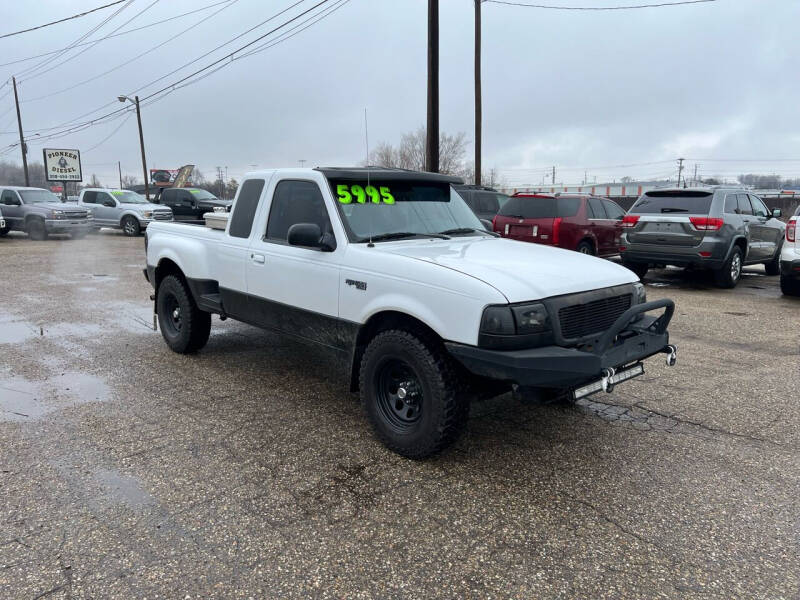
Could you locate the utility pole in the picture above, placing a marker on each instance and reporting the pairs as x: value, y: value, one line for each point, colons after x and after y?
x: 478, y: 98
x: 219, y: 178
x: 302, y: 162
x: 141, y: 143
x: 554, y: 175
x: 432, y: 142
x: 119, y: 168
x: 695, y: 174
x: 22, y: 145
x: 680, y: 170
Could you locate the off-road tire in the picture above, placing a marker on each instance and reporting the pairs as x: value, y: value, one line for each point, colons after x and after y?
x: 790, y: 286
x: 189, y: 333
x: 724, y: 277
x: 444, y: 402
x: 639, y: 269
x: 586, y: 247
x: 36, y: 230
x: 773, y: 267
x: 130, y: 226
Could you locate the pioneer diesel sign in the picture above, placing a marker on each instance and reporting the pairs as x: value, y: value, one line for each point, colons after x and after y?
x: 62, y: 165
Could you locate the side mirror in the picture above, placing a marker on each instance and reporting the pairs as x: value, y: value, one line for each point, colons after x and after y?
x: 109, y: 203
x: 309, y: 235
x: 487, y: 224
x: 776, y: 213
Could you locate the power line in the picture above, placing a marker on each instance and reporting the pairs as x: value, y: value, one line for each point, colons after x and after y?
x: 598, y: 8
x: 83, y: 14
x: 34, y: 68
x: 110, y: 135
x: 138, y: 56
x: 108, y: 37
x: 76, y: 55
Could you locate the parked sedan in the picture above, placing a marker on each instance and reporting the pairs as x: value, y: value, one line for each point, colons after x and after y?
x: 587, y: 224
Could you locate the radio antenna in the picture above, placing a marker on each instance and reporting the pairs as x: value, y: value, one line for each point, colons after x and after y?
x: 366, y: 139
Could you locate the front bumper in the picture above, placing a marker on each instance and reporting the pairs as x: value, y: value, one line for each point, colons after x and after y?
x: 67, y: 225
x: 790, y: 268
x: 625, y: 342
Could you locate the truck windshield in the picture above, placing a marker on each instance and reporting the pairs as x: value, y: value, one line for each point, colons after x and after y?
x: 691, y: 202
x: 203, y: 195
x: 128, y: 197
x: 37, y: 196
x: 405, y: 208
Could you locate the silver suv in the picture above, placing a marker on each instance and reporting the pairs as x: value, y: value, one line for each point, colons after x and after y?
x: 719, y: 228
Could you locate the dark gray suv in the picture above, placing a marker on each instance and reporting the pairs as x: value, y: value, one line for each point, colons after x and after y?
x: 720, y: 228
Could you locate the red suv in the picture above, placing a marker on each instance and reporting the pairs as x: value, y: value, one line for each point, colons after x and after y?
x: 587, y: 224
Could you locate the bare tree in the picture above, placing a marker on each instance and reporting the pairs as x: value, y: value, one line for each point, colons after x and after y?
x: 410, y: 152
x: 128, y: 181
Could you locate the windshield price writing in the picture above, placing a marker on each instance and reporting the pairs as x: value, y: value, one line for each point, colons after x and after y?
x: 348, y: 193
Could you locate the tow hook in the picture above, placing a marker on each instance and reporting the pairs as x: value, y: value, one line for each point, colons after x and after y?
x: 672, y: 355
x: 605, y: 382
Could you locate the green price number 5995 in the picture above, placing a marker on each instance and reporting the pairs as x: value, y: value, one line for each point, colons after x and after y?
x: 376, y: 195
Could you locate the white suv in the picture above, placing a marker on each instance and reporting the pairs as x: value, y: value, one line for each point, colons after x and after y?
x: 790, y: 258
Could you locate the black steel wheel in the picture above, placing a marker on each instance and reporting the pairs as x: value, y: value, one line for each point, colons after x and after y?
x: 412, y: 393
x: 184, y: 327
x: 585, y: 247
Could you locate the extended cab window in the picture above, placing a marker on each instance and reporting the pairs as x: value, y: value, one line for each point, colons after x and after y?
x: 246, y: 205
x: 90, y: 197
x: 168, y: 196
x: 296, y: 202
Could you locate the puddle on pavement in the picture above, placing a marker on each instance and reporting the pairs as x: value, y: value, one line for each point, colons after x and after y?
x: 15, y: 332
x: 121, y: 489
x: 23, y: 400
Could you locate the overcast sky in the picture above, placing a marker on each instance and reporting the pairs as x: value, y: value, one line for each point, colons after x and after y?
x: 579, y: 90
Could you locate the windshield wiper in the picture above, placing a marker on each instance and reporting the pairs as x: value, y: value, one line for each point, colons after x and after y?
x: 397, y: 235
x: 458, y: 230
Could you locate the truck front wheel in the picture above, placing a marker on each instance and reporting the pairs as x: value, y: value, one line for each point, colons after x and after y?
x: 411, y: 394
x: 130, y: 226
x: 184, y: 327
x: 36, y: 230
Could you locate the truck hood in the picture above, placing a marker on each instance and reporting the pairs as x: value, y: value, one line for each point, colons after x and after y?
x: 48, y: 206
x: 519, y: 270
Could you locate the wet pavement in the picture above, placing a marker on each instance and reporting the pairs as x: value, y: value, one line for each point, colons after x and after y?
x: 248, y: 470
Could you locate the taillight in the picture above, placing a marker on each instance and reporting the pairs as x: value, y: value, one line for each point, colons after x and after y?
x: 494, y: 223
x: 629, y: 220
x: 706, y: 223
x: 556, y: 227
x: 791, y: 231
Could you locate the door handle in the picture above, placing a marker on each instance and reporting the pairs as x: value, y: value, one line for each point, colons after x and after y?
x: 258, y: 258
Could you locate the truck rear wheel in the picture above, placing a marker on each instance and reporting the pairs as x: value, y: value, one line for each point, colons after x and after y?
x: 184, y: 327
x: 639, y: 269
x: 411, y: 394
x: 790, y: 286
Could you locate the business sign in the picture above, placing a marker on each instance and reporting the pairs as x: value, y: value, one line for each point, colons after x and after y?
x: 62, y: 165
x: 163, y: 177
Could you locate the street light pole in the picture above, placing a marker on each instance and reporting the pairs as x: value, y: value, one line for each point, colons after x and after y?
x: 478, y: 99
x: 135, y: 101
x: 432, y: 139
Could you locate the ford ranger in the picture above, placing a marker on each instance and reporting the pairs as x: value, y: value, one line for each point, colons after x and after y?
x: 37, y: 212
x: 392, y: 272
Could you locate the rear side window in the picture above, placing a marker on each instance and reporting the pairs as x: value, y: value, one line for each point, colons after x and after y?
x: 692, y: 202
x: 731, y: 204
x: 245, y: 210
x: 540, y: 208
x: 90, y: 197
x: 744, y: 204
x: 613, y: 210
x: 596, y: 210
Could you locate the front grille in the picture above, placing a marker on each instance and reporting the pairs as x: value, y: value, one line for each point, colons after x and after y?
x: 162, y: 215
x: 593, y: 317
x: 74, y: 215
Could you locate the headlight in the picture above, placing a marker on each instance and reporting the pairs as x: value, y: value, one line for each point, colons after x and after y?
x: 58, y: 214
x: 641, y: 293
x: 497, y: 320
x: 531, y: 318
x: 89, y: 214
x: 147, y: 214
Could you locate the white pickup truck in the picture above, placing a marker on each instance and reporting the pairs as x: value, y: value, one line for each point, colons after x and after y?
x: 391, y: 270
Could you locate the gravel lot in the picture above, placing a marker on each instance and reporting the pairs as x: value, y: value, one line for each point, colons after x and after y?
x: 248, y: 470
